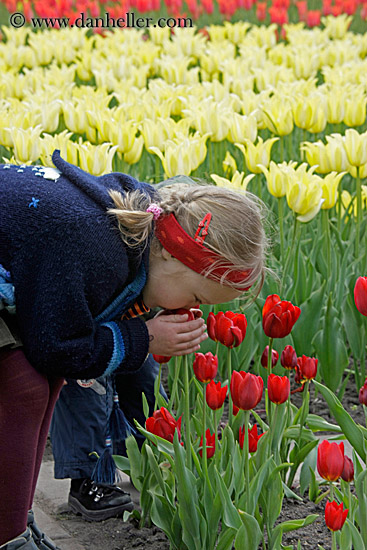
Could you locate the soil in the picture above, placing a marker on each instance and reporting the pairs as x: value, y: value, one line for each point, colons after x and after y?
x: 114, y: 534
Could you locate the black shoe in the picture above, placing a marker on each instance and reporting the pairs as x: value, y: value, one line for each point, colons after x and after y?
x: 23, y: 542
x: 96, y: 502
x: 42, y: 541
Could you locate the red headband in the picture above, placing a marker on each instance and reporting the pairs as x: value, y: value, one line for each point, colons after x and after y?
x: 191, y: 252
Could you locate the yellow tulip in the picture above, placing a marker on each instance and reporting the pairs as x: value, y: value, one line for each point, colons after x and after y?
x: 176, y: 159
x: 278, y: 116
x: 134, y: 154
x: 15, y: 36
x: 159, y: 34
x: 277, y: 177
x: 122, y: 135
x: 355, y: 110
x: 242, y: 127
x: 229, y: 164
x: 335, y: 105
x: 68, y: 149
x: 316, y: 155
x: 212, y: 119
x: 26, y: 143
x: 336, y: 27
x: 305, y: 64
x: 257, y: 154
x: 305, y: 111
x: 154, y: 133
x: 263, y: 35
x: 238, y: 182
x: 198, y: 149
x: 217, y: 33
x: 236, y: 32
x: 329, y: 186
x: 355, y: 145
x: 75, y: 117
x: 329, y: 157
x: 304, y: 193
x: 96, y: 160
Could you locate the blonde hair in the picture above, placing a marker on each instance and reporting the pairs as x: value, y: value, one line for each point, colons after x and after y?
x: 236, y: 229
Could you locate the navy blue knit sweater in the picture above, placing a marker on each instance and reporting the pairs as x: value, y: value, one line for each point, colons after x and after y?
x: 73, y: 276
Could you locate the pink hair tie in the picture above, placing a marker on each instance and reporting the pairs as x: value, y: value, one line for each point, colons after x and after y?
x: 155, y: 209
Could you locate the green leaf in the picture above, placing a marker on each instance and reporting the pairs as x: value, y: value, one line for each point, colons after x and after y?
x: 351, y: 431
x: 331, y: 349
x: 225, y: 539
x: 135, y: 459
x: 122, y: 463
x: 231, y: 517
x: 249, y: 535
x: 156, y: 471
x: 317, y: 424
x: 145, y: 405
x: 308, y: 322
x: 354, y: 534
x: 292, y: 525
x: 305, y: 476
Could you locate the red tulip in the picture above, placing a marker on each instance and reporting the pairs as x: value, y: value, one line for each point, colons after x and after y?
x: 228, y: 328
x: 253, y: 438
x: 246, y: 389
x: 163, y: 424
x: 278, y: 388
x: 360, y: 295
x: 161, y: 358
x: 279, y: 316
x: 205, y: 366
x: 306, y: 368
x: 210, y: 444
x: 235, y: 409
x: 335, y: 516
x: 330, y: 460
x: 215, y: 395
x: 363, y: 394
x: 265, y: 357
x: 348, y: 470
x: 313, y: 18
x: 288, y: 358
x: 278, y: 15
x: 261, y: 11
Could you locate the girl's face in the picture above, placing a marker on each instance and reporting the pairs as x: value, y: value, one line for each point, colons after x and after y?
x: 172, y: 285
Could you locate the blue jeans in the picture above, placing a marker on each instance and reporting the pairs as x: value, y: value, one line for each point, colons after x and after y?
x: 81, y: 416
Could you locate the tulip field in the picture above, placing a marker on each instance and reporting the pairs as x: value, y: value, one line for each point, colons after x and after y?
x: 263, y: 97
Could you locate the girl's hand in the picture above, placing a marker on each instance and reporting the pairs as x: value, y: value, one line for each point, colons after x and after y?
x: 175, y: 334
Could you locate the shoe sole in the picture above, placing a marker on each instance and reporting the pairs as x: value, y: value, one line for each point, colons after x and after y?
x: 98, y: 515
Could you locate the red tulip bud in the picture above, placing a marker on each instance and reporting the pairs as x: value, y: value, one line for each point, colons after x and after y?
x: 348, y: 470
x: 253, y: 438
x: 215, y: 395
x: 335, y: 516
x: 161, y: 358
x: 227, y: 328
x: 360, y: 295
x: 210, y: 444
x: 246, y: 389
x: 330, y: 460
x: 265, y: 357
x: 278, y: 388
x: 363, y: 394
x: 163, y: 424
x: 307, y: 368
x: 205, y: 366
x: 288, y: 358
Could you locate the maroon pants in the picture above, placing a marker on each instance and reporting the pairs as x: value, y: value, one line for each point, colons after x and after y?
x: 27, y: 400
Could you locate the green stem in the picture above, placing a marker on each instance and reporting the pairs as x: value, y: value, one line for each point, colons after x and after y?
x: 274, y: 443
x: 359, y: 211
x: 245, y: 461
x: 269, y: 371
x: 331, y: 494
x: 229, y: 373
x: 259, y: 188
x: 326, y: 233
x: 216, y: 431
x: 158, y: 386
x: 204, y: 457
x: 333, y: 539
x: 157, y: 169
x: 211, y: 160
x: 304, y: 413
x: 187, y: 410
x: 174, y: 396
x: 290, y: 252
x: 281, y: 228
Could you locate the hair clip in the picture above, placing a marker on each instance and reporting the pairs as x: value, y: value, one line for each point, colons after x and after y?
x: 155, y: 209
x: 202, y: 230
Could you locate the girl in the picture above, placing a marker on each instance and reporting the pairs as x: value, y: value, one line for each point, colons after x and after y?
x: 77, y: 252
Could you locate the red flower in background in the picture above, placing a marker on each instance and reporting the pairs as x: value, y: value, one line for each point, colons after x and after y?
x: 360, y: 295
x: 313, y: 18
x: 163, y: 424
x: 279, y: 316
x: 306, y: 368
x: 278, y: 15
x: 278, y: 388
x: 261, y: 11
x: 227, y: 328
x: 205, y: 366
x: 330, y: 460
x: 265, y: 357
x: 246, y: 389
x: 210, y: 444
x: 215, y: 395
x: 288, y: 358
x: 363, y: 394
x: 161, y: 358
x: 335, y: 516
x: 348, y: 470
x: 253, y: 438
